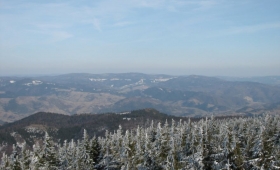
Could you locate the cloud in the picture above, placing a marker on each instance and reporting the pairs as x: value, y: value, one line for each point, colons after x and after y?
x: 253, y: 28
x: 60, y: 35
x: 95, y: 23
x: 98, y: 13
x: 248, y: 29
x: 54, y: 31
x: 150, y: 4
x: 122, y: 23
x: 47, y: 26
x: 203, y: 5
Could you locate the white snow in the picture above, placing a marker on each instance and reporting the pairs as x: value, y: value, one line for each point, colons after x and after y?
x: 124, y: 113
x: 92, y: 79
x: 161, y: 79
x: 34, y: 82
x: 3, y: 145
x: 141, y: 81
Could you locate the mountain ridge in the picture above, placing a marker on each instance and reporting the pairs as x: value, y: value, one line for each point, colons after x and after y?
x: 73, y: 93
x: 31, y: 129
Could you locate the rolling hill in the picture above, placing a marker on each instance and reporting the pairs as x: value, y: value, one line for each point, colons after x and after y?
x: 79, y: 93
x: 61, y: 127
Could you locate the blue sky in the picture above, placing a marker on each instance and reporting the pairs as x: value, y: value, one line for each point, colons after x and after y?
x: 177, y: 37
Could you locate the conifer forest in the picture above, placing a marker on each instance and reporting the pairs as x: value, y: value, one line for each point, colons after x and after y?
x: 251, y: 143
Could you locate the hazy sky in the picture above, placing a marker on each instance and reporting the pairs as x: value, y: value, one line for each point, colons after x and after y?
x: 179, y: 37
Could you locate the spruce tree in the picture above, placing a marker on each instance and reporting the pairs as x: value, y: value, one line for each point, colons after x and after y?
x: 49, y: 157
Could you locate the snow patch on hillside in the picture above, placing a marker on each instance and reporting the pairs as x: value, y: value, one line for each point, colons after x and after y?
x: 34, y: 82
x: 100, y: 80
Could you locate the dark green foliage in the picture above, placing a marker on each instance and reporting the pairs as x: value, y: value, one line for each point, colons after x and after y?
x: 67, y: 133
x: 6, y: 137
x: 95, y: 151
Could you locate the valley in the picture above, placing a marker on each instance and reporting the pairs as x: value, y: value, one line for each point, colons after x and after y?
x: 78, y: 93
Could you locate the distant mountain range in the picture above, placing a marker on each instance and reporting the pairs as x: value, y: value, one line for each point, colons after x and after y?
x: 99, y: 93
x: 273, y: 80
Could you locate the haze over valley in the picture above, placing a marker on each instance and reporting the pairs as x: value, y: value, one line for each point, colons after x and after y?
x: 193, y: 95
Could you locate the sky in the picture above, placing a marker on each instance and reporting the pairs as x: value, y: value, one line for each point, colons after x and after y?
x: 177, y: 37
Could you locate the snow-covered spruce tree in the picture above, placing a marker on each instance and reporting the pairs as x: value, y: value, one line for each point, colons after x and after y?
x: 104, y: 143
x: 221, y: 157
x: 175, y: 141
x: 172, y: 159
x: 161, y: 144
x: 63, y: 156
x: 275, y: 164
x: 94, y: 151
x: 209, y: 142
x: 14, y: 159
x: 186, y: 144
x: 194, y: 160
x: 181, y: 137
x: 25, y: 157
x: 271, y: 143
x: 71, y: 154
x: 263, y: 147
x: 148, y: 154
x: 125, y: 159
x: 237, y: 157
x: 108, y: 150
x: 150, y: 151
x: 49, y: 159
x: 138, y: 158
x: 5, y: 162
x: 84, y: 161
x: 36, y: 156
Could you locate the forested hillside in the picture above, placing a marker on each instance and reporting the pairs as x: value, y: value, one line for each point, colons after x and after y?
x: 64, y: 127
x: 234, y: 143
